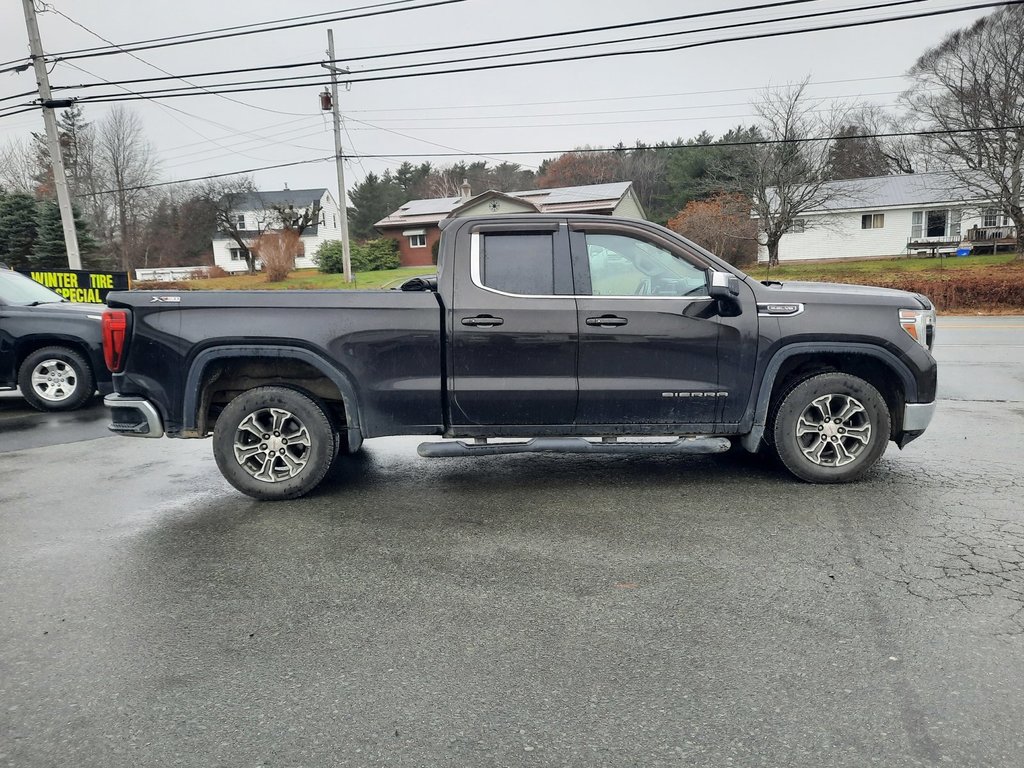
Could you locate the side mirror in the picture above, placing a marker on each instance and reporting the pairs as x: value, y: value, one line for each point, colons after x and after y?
x: 723, y: 285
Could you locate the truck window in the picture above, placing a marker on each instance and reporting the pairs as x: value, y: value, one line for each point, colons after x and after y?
x: 625, y: 266
x: 518, y: 263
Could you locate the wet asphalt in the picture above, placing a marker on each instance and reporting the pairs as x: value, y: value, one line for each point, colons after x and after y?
x: 521, y: 610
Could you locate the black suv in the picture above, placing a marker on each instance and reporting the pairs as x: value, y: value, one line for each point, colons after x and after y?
x: 49, y: 347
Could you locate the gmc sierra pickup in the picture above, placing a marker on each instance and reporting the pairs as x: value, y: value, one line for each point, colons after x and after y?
x: 566, y: 333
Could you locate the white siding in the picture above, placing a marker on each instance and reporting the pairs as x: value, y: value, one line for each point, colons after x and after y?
x: 483, y: 208
x: 840, y: 236
x: 628, y: 208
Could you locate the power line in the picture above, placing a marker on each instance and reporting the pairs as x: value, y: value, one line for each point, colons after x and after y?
x: 131, y: 48
x: 165, y: 93
x: 526, y: 38
x: 150, y: 64
x: 234, y: 28
x: 579, y: 150
x: 505, y: 55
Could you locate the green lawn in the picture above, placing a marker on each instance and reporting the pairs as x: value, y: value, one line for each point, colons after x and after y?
x: 310, y: 279
x: 824, y: 271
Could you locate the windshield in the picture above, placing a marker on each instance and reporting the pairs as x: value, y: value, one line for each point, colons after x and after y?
x: 22, y: 291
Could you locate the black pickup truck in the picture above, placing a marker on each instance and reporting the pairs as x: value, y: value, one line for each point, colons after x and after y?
x: 566, y: 333
x: 49, y: 347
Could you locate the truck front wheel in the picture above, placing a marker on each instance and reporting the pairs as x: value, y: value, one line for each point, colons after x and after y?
x: 56, y: 379
x: 273, y: 443
x: 831, y: 428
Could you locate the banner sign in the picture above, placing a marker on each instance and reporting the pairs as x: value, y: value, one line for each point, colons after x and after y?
x: 78, y: 285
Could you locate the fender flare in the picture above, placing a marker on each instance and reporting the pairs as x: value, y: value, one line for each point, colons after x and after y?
x: 752, y: 439
x: 202, y: 360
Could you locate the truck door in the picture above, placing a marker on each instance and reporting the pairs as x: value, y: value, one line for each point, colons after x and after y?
x: 513, y: 328
x: 648, y: 330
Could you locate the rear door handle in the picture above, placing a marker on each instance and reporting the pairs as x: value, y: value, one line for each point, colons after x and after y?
x: 482, y: 321
x: 607, y: 321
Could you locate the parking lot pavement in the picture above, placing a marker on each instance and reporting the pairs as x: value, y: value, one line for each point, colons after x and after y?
x: 518, y: 610
x: 22, y: 427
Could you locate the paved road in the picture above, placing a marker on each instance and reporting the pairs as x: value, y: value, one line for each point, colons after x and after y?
x: 526, y: 610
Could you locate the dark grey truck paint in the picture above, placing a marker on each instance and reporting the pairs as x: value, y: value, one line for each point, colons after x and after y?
x: 471, y: 360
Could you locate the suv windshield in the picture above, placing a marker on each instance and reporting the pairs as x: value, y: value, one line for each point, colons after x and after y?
x: 24, y: 292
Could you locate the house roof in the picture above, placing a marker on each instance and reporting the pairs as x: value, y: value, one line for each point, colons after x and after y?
x: 895, y: 191
x: 590, y: 198
x: 300, y: 198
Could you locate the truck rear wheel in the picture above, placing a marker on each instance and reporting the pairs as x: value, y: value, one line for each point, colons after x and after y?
x: 274, y: 443
x: 831, y: 428
x: 56, y: 379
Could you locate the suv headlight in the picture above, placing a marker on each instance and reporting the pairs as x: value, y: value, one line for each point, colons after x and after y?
x: 920, y: 324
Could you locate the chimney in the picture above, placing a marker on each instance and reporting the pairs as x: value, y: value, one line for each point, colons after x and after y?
x: 466, y: 190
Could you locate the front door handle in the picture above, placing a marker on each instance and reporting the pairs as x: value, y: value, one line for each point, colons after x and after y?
x: 482, y: 321
x: 607, y: 321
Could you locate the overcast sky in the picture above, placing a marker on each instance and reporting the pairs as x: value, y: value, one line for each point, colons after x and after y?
x: 547, y: 107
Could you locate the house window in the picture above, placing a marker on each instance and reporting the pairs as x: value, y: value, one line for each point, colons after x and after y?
x: 239, y: 254
x: 939, y: 224
x: 417, y: 241
x: 799, y: 225
x: 872, y: 221
x: 936, y: 223
x: 238, y: 220
x: 991, y: 218
x: 334, y: 218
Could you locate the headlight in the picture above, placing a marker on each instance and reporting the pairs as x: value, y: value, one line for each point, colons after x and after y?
x: 920, y: 324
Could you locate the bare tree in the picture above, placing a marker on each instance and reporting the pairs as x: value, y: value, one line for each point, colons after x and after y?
x: 18, y: 167
x: 228, y: 198
x: 905, y: 154
x: 971, y: 86
x: 788, y: 175
x: 130, y: 165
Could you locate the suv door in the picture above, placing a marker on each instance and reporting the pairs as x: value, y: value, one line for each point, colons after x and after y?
x: 648, y: 330
x: 513, y: 328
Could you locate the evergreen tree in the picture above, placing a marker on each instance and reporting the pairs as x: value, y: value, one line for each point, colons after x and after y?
x: 17, y: 229
x: 48, y: 249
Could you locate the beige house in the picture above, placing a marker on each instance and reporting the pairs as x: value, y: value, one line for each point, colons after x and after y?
x: 415, y: 225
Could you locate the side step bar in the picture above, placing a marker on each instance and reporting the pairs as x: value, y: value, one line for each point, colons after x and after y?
x: 679, y: 446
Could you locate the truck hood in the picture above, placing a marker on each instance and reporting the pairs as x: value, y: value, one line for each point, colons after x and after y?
x: 63, y: 307
x: 808, y: 292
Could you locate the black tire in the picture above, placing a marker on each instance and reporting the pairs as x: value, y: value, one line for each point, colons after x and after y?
x: 268, y: 463
x: 56, y: 379
x: 831, y: 428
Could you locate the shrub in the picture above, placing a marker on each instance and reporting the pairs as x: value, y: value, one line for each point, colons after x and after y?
x: 368, y: 256
x: 277, y: 251
x: 722, y: 224
x: 217, y: 272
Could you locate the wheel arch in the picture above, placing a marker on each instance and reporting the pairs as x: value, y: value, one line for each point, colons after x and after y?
x: 229, y: 368
x: 797, y: 362
x: 27, y: 345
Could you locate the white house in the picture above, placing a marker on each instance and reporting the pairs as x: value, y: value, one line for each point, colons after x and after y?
x: 254, y: 214
x: 923, y: 213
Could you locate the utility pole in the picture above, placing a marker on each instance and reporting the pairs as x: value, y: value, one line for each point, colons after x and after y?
x: 60, y: 181
x: 346, y: 255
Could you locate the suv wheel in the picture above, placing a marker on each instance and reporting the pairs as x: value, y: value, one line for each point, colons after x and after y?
x: 274, y: 443
x: 831, y: 428
x: 56, y: 379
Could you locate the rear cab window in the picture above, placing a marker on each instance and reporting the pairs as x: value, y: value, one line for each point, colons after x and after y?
x: 524, y: 263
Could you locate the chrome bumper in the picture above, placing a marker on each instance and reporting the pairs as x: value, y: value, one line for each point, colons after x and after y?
x: 133, y: 416
x: 917, y: 416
